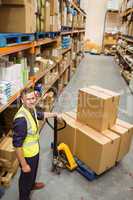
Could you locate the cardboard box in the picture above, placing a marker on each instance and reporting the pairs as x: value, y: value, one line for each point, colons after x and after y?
x: 7, y: 151
x: 114, y: 105
x: 47, y: 17
x: 94, y: 109
x: 68, y: 135
x: 54, y: 7
x: 127, y: 126
x: 72, y: 114
x: 125, y: 140
x: 95, y: 150
x: 16, y: 2
x: 54, y: 23
x: 115, y: 138
x: 89, y: 140
x: 13, y: 16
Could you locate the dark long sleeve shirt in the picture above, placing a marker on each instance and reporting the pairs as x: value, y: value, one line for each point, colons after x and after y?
x: 20, y: 129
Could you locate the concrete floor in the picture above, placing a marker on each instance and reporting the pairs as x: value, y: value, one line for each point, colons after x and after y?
x: 116, y: 183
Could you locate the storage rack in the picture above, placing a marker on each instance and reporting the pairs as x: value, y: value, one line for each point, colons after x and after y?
x: 61, y: 74
x: 110, y: 38
x: 124, y: 53
x: 30, y: 48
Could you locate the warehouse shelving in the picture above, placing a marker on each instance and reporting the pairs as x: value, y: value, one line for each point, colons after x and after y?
x: 111, y: 30
x: 73, y: 32
x: 15, y: 48
x: 31, y: 47
x: 125, y: 40
x: 55, y: 75
x: 128, y: 39
x: 78, y: 9
x: 66, y: 50
x: 22, y: 47
x: 127, y: 12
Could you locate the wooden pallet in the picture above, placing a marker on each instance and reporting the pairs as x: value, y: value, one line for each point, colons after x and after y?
x: 6, y: 175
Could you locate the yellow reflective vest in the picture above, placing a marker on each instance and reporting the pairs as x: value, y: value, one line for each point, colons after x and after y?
x: 31, y: 142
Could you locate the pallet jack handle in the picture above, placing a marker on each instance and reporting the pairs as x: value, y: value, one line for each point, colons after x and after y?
x: 55, y: 128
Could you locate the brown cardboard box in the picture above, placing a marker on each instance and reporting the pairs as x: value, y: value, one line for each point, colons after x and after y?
x: 13, y: 16
x: 6, y: 149
x: 125, y: 140
x: 71, y: 114
x: 127, y: 126
x: 16, y: 2
x: 115, y: 138
x: 47, y: 17
x: 54, y: 23
x: 53, y: 7
x: 98, y: 151
x: 68, y: 135
x: 95, y: 150
x: 115, y: 103
x: 94, y: 109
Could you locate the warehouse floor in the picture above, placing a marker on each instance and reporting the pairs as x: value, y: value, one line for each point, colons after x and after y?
x: 115, y: 184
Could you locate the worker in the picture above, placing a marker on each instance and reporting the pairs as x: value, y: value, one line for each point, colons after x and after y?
x: 26, y: 142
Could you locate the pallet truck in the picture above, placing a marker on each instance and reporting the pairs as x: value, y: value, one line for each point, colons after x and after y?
x: 62, y: 156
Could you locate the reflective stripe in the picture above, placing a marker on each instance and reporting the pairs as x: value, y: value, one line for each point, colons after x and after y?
x: 30, y: 144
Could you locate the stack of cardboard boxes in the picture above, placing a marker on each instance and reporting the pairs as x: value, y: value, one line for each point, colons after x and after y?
x: 29, y: 16
x: 94, y: 134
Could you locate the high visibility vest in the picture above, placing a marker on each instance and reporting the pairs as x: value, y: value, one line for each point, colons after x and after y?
x: 31, y: 142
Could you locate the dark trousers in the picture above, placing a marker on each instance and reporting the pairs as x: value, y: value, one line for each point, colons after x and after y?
x: 27, y: 180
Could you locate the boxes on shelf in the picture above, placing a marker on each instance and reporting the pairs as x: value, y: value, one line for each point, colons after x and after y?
x: 54, y: 23
x: 13, y: 16
x: 64, y: 15
x: 47, y: 17
x: 94, y: 108
x: 5, y: 91
x: 16, y: 74
x: 42, y: 64
x: 54, y: 7
x: 46, y: 102
x: 17, y: 2
x: 66, y: 42
x: 57, y: 52
x: 50, y: 78
x: 69, y: 19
